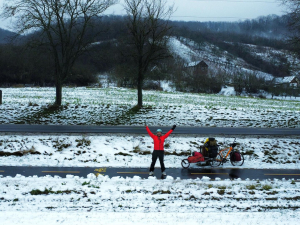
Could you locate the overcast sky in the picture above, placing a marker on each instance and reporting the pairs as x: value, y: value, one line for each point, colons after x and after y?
x: 210, y: 10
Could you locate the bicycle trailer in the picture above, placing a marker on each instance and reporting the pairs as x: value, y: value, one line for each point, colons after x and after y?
x: 197, y: 157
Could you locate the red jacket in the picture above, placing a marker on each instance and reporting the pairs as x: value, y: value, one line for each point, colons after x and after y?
x: 158, y: 141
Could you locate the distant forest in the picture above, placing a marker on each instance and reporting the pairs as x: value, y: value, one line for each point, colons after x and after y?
x: 5, y: 36
x: 24, y: 63
x: 272, y: 26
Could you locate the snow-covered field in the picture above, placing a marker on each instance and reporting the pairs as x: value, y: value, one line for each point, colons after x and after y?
x: 103, y: 200
x: 135, y: 151
x: 112, y: 106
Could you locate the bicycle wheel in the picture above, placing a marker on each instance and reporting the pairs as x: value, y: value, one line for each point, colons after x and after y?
x: 216, y: 161
x: 185, y: 163
x: 238, y: 163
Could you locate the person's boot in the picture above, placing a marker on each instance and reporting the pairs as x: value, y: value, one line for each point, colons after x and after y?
x: 164, y: 173
x: 151, y: 173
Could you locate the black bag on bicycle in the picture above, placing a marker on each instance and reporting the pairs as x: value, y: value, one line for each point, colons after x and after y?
x: 235, y: 156
x: 211, y: 148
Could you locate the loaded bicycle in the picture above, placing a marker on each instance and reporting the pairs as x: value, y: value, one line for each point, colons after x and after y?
x: 211, y: 155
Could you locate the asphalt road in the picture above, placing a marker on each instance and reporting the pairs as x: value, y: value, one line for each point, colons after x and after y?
x: 141, y: 130
x: 193, y: 173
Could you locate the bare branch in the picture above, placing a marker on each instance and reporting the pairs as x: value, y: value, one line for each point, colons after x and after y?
x: 147, y: 22
x: 294, y: 23
x: 63, y: 25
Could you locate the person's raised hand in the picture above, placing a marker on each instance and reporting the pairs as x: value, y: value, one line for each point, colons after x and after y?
x: 174, y: 126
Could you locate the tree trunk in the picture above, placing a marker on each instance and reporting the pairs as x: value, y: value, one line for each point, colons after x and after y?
x: 140, y: 89
x: 58, y: 98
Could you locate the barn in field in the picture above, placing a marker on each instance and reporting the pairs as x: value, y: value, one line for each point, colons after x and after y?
x: 198, y: 67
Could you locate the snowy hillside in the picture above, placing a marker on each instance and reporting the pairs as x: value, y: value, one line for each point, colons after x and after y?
x: 182, y: 50
x: 276, y: 56
x: 217, y: 59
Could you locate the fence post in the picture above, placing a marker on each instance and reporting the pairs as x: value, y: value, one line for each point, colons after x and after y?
x: 0, y: 97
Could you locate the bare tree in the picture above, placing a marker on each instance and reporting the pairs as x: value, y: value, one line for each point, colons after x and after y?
x: 148, y: 24
x: 63, y: 25
x: 294, y: 23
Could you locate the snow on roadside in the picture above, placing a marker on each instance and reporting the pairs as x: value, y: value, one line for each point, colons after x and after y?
x: 125, y: 150
x: 103, y: 200
x: 190, y: 218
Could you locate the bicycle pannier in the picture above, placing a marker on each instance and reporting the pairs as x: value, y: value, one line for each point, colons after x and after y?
x: 204, y: 151
x: 213, y: 152
x: 235, y: 156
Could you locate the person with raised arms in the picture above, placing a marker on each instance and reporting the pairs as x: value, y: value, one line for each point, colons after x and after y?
x: 158, y: 151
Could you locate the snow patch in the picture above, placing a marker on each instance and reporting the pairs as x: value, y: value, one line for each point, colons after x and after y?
x: 227, y: 91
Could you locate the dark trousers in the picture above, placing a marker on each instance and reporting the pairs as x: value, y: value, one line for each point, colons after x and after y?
x: 160, y: 155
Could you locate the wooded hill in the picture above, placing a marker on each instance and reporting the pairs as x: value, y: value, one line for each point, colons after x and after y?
x: 24, y: 64
x: 5, y: 36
